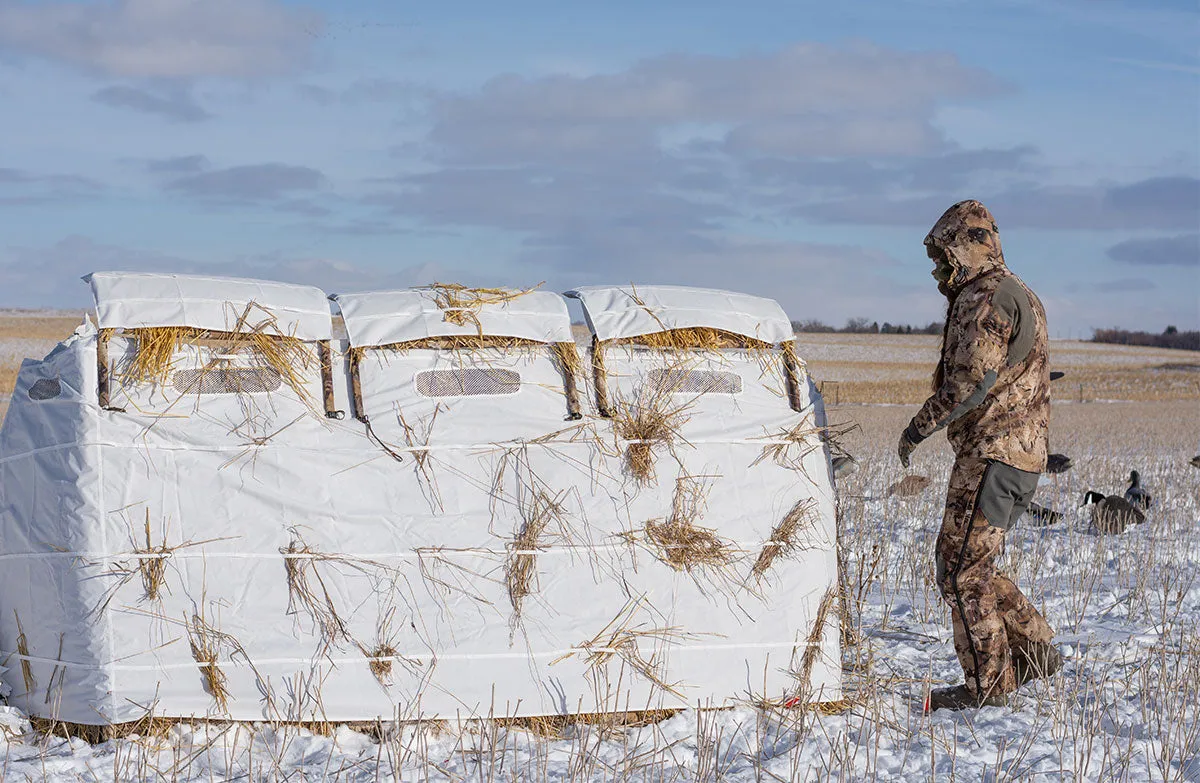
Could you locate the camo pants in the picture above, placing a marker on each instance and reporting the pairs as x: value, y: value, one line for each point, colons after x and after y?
x: 990, y: 614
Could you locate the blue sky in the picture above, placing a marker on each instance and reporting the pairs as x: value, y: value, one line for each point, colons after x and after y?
x: 798, y: 150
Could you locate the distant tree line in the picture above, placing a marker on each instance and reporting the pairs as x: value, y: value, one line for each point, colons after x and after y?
x: 863, y: 326
x: 1170, y: 338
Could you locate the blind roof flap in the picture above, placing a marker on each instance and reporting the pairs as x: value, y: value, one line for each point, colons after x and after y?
x: 615, y: 312
x: 133, y: 300
x: 387, y: 317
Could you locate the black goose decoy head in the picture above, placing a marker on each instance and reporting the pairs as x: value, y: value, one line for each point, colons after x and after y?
x: 1058, y: 463
x: 1041, y: 516
x: 1136, y: 494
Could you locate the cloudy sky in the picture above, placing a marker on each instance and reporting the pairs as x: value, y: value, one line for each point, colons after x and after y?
x: 794, y: 149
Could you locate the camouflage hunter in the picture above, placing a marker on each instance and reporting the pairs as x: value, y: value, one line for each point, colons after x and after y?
x: 992, y: 392
x: 992, y: 395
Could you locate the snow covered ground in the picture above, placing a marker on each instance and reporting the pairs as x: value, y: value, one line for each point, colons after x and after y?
x: 1125, y: 707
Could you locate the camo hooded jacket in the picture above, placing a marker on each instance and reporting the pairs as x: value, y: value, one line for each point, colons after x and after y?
x: 992, y: 386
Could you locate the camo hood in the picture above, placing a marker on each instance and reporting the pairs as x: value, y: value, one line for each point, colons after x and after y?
x: 967, y: 236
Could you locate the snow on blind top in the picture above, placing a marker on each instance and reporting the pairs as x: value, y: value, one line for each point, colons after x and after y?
x: 134, y: 300
x: 387, y: 317
x: 615, y: 313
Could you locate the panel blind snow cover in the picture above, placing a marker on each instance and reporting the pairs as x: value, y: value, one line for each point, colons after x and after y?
x: 226, y: 380
x: 684, y: 381
x: 488, y: 553
x: 468, y: 382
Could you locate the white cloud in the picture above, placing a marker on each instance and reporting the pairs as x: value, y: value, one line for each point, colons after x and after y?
x: 162, y: 38
x: 803, y: 98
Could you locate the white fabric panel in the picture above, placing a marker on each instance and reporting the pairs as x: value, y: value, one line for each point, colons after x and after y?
x: 136, y: 299
x: 420, y: 544
x: 614, y: 313
x: 387, y: 317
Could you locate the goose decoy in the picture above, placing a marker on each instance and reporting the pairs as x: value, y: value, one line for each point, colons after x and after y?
x: 1112, y: 514
x: 844, y: 466
x: 1135, y: 494
x: 1058, y: 463
x: 1041, y: 516
x: 909, y: 486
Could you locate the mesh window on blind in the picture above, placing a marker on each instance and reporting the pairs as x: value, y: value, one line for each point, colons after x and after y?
x: 44, y: 389
x: 227, y: 380
x: 682, y: 381
x: 468, y: 382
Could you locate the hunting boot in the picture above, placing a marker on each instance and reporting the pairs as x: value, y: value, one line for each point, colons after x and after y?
x: 1034, y: 660
x: 960, y: 698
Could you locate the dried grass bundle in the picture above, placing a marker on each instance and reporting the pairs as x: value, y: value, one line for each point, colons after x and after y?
x: 383, y: 654
x: 684, y: 546
x: 23, y: 650
x: 681, y: 544
x: 785, y: 537
x: 464, y: 342
x: 380, y: 659
x: 460, y: 305
x: 622, y: 638
x: 788, y: 448
x: 149, y: 562
x: 567, y: 357
x: 521, y: 566
x: 694, y: 338
x: 649, y: 421
x: 812, y: 649
x: 255, y: 332
x: 307, y: 590
x: 153, y: 564
x: 418, y: 441
x: 205, y: 642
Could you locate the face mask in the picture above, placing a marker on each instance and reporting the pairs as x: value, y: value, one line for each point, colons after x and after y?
x: 942, y: 270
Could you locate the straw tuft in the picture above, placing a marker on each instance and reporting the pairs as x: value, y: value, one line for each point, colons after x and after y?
x: 23, y: 650
x: 521, y: 566
x: 785, y: 537
x: 651, y: 420
x: 789, y: 447
x: 153, y: 565
x: 255, y: 332
x: 693, y: 338
x: 382, y: 656
x: 307, y: 591
x: 418, y: 442
x: 622, y: 638
x: 680, y: 543
x: 205, y: 642
x: 460, y: 305
x: 462, y: 342
x: 812, y: 648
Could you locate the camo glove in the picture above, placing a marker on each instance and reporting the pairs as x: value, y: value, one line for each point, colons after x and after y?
x: 908, y: 441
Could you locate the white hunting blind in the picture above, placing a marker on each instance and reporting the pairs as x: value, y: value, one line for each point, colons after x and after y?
x: 248, y: 500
